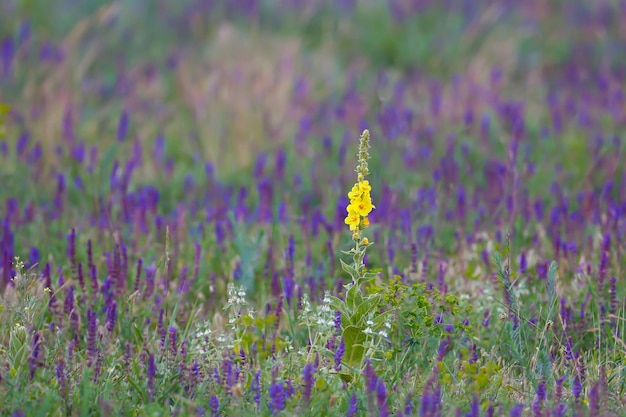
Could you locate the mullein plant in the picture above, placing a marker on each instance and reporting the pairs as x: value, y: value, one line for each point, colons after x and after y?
x: 363, y: 325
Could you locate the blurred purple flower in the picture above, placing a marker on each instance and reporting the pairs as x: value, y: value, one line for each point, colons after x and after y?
x: 122, y: 126
x: 308, y: 378
x: 381, y: 398
x: 111, y: 316
x: 352, y: 410
x: 517, y: 410
x: 278, y: 397
x: 215, y: 406
x: 341, y: 350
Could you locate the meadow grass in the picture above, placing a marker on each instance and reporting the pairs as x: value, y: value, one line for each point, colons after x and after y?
x: 183, y: 231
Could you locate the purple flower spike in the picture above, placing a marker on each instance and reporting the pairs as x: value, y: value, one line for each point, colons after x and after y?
x: 539, y: 399
x: 92, y: 349
x: 172, y: 341
x: 71, y: 247
x: 122, y: 127
x: 278, y: 397
x: 111, y: 316
x: 34, y: 256
x: 474, y: 408
x: 338, y: 320
x: 256, y: 387
x: 308, y: 378
x: 215, y: 406
x: 517, y: 410
x: 381, y: 398
x: 7, y: 52
x: 341, y: 350
x: 352, y: 410
x: 60, y: 373
x: 577, y: 388
x: 151, y: 373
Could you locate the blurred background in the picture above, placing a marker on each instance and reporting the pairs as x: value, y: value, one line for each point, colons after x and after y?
x: 227, y: 81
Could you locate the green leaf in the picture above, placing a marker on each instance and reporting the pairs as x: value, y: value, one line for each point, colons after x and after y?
x: 338, y: 304
x: 349, y: 269
x: 353, y: 298
x: 366, y: 306
x: 354, y: 338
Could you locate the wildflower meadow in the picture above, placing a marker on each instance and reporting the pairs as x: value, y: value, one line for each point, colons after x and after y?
x: 313, y: 208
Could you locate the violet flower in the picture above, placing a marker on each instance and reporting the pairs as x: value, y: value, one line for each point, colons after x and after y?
x: 308, y: 378
x: 341, y: 350
x: 352, y: 410
x: 381, y: 398
x: 215, y: 406
x: 278, y: 397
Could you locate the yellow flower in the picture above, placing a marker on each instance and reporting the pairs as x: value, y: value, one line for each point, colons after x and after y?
x: 365, y: 222
x: 366, y: 241
x: 355, y: 193
x: 365, y: 206
x: 353, y: 217
x: 365, y: 186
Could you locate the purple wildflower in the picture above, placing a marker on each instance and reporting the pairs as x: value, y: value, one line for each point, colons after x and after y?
x: 338, y: 320
x: 517, y: 410
x: 278, y: 397
x: 111, y: 316
x: 341, y: 350
x: 256, y: 387
x: 138, y: 274
x: 92, y: 349
x: 308, y: 377
x: 215, y: 406
x: 381, y: 398
x: 352, y: 410
x: 474, y: 408
x: 408, y: 405
x: 172, y: 341
x: 60, y: 374
x: 539, y: 399
x: 370, y: 377
x: 34, y: 256
x: 68, y: 306
x: 523, y: 263
x: 151, y: 373
x: 577, y: 388
x: 71, y: 247
x: 122, y: 127
x: 613, y: 295
x: 443, y: 349
x: 80, y: 276
x: 34, y: 355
